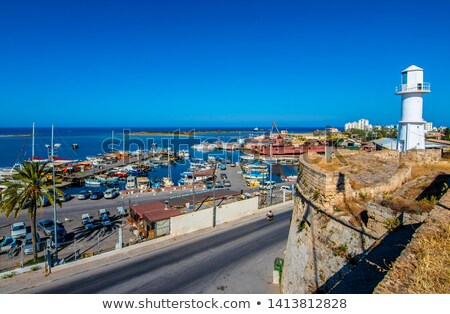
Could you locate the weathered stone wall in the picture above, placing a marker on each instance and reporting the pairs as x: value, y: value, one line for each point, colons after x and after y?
x: 317, y: 179
x: 329, y: 184
x: 320, y: 248
x: 379, y: 217
x: 322, y: 243
x: 392, y: 183
x: 411, y: 156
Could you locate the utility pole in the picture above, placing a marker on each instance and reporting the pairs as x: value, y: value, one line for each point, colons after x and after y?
x: 54, y: 195
x: 214, y: 195
x: 193, y: 189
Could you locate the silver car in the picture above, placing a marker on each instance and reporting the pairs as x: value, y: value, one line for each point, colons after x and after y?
x: 111, y: 193
x: 28, y: 244
x: 18, y: 230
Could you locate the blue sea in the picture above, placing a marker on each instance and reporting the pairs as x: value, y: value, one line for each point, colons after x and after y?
x: 93, y: 141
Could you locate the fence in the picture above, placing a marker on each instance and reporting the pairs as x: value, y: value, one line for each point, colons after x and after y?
x: 78, y: 245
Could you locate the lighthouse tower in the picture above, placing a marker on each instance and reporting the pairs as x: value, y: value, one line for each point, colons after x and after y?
x: 411, y: 132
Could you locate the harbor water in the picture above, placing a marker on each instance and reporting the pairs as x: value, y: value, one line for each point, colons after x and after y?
x: 16, y: 146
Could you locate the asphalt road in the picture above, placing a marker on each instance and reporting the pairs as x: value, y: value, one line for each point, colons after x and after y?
x: 233, y: 260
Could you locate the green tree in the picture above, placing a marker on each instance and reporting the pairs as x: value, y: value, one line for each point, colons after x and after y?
x: 27, y: 190
x: 447, y: 134
x: 394, y: 133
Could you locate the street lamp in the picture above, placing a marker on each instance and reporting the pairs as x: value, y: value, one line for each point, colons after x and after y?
x: 214, y: 195
x: 271, y: 186
x: 53, y: 147
x: 193, y: 187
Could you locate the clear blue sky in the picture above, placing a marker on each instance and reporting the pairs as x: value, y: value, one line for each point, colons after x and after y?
x: 218, y: 63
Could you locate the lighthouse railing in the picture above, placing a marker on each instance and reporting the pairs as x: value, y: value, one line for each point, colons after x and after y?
x: 419, y: 87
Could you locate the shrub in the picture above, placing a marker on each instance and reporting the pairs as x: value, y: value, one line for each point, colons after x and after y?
x: 391, y: 223
x: 363, y: 196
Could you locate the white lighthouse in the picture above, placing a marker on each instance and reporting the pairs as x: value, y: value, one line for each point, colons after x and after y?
x: 411, y: 127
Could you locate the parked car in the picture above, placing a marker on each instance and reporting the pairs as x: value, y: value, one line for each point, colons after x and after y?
x: 61, y: 234
x: 47, y: 226
x: 121, y: 212
x: 18, y: 230
x: 223, y: 176
x: 286, y: 188
x: 96, y: 195
x: 208, y: 184
x: 86, y: 221
x: 233, y: 164
x: 103, y: 216
x: 7, y: 244
x: 222, y: 167
x: 226, y: 183
x: 268, y: 185
x: 219, y: 184
x: 111, y: 193
x: 247, y: 195
x: 83, y: 195
x: 64, y: 198
x: 28, y: 244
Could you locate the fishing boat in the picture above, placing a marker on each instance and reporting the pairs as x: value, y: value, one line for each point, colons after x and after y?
x: 255, y: 176
x: 101, y: 177
x: 92, y: 182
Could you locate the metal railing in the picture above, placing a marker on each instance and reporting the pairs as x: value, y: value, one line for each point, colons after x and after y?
x: 420, y: 87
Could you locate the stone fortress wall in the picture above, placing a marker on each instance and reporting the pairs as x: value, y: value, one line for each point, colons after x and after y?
x: 324, y: 243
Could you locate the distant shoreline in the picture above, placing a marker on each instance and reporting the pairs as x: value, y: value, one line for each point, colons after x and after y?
x: 186, y: 133
x: 14, y: 135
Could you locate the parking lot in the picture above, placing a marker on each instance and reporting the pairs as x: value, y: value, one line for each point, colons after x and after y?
x: 79, y: 242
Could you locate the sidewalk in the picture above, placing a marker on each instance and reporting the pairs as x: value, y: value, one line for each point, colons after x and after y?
x: 19, y: 282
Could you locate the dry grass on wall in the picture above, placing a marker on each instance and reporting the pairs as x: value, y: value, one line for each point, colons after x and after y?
x: 431, y: 273
x: 419, y: 170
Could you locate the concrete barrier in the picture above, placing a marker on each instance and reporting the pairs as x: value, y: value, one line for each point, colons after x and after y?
x: 203, y: 219
x: 191, y: 222
x: 236, y: 210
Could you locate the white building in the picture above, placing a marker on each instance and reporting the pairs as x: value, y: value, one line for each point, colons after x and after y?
x: 361, y: 124
x: 411, y: 127
x: 428, y: 127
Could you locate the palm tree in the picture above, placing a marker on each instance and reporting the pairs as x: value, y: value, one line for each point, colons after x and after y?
x: 27, y: 190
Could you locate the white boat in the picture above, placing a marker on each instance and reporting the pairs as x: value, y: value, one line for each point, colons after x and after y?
x: 249, y: 157
x: 270, y: 160
x: 204, y: 147
x: 184, y: 154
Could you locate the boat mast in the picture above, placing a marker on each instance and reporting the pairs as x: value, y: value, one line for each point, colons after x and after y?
x: 169, y: 171
x: 112, y: 144
x: 32, y: 145
x: 123, y: 147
